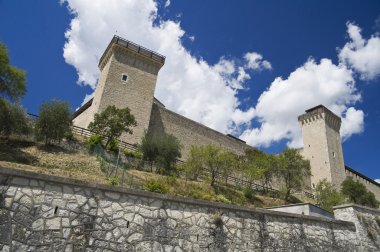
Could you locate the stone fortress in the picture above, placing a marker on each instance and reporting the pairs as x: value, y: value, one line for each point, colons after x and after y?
x: 128, y: 79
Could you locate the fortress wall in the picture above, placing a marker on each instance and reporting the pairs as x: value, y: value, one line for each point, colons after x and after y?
x: 84, y: 118
x: 47, y: 213
x: 367, y: 222
x: 190, y: 133
x: 375, y: 189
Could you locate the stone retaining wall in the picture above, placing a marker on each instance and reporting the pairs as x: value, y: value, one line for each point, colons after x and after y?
x: 47, y: 213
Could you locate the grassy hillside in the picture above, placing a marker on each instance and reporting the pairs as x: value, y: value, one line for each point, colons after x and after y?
x: 73, y: 160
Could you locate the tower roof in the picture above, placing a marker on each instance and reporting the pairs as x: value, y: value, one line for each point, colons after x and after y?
x: 318, y: 110
x: 116, y: 40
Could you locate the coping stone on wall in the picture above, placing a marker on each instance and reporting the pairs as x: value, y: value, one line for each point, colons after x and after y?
x: 360, y: 207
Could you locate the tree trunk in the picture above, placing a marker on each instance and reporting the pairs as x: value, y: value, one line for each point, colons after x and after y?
x: 212, y: 178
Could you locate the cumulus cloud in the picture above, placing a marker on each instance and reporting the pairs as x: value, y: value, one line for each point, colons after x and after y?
x: 188, y: 85
x: 362, y: 55
x: 255, y: 61
x: 311, y: 84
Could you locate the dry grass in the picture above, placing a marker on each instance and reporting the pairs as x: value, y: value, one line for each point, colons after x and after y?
x: 50, y: 160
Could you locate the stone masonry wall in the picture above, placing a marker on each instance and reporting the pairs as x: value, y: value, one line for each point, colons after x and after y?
x: 47, y: 213
x: 367, y: 223
x: 190, y: 133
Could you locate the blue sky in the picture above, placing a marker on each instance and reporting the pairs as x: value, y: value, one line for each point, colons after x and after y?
x: 243, y: 67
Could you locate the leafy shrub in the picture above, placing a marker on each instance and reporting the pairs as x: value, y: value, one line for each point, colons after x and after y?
x: 113, y: 146
x: 113, y: 180
x: 357, y: 193
x: 156, y: 185
x: 69, y: 135
x: 132, y: 154
x: 93, y: 141
x: 222, y: 198
x: 327, y: 196
x: 249, y: 193
x: 198, y: 193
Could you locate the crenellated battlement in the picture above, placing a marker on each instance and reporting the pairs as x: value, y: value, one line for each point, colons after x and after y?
x: 126, y: 45
x: 320, y: 112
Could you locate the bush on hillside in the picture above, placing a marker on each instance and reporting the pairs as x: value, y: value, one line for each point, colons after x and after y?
x: 156, y: 185
x: 132, y: 154
x: 327, y: 196
x: 357, y: 193
x: 249, y: 193
x: 93, y: 141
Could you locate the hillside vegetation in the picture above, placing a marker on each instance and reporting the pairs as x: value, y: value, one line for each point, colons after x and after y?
x: 75, y: 161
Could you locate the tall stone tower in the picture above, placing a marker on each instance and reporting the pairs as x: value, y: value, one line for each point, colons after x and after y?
x: 127, y: 79
x: 322, y: 145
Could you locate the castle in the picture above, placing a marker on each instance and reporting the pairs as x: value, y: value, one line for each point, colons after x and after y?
x: 128, y: 74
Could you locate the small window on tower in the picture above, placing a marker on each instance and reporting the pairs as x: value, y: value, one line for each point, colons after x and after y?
x: 333, y: 153
x: 124, y: 77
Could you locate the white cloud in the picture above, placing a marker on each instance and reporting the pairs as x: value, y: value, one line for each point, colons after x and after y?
x: 255, y: 61
x: 309, y: 85
x: 360, y: 54
x: 186, y: 84
x: 352, y: 123
x: 377, y: 180
x: 204, y: 92
x: 167, y: 3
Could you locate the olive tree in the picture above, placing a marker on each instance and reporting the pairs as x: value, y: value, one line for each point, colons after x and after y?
x: 54, y: 121
x: 13, y: 119
x: 163, y: 149
x: 112, y: 122
x: 293, y: 169
x: 12, y: 79
x: 327, y: 195
x: 211, y: 158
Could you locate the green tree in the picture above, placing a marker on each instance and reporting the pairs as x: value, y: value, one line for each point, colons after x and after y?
x: 168, y: 153
x: 54, y: 121
x: 194, y: 164
x: 258, y: 165
x: 149, y: 147
x: 112, y: 122
x: 293, y: 168
x: 13, y: 119
x: 164, y: 149
x: 357, y: 193
x: 213, y: 158
x: 12, y: 79
x: 327, y: 196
